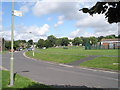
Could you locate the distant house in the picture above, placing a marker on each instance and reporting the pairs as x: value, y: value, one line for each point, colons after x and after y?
x: 110, y: 43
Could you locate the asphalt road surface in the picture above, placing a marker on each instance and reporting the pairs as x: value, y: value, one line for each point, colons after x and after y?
x: 59, y: 74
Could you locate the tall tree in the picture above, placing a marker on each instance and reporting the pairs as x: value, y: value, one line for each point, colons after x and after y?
x: 77, y: 41
x: 30, y: 42
x: 93, y: 40
x: 110, y: 9
x: 51, y: 40
x: 41, y: 43
x: 64, y: 41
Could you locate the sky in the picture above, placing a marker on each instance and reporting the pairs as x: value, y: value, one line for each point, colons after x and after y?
x: 49, y: 17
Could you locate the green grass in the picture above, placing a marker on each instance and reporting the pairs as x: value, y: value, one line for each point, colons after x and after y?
x: 59, y: 58
x: 61, y: 55
x: 20, y: 82
x: 79, y: 51
x: 102, y: 62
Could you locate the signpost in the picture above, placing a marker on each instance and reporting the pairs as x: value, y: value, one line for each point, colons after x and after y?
x: 14, y: 13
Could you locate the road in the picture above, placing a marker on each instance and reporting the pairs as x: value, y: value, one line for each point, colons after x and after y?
x: 59, y: 74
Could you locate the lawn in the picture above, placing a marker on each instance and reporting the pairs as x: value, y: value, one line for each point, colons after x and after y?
x: 20, y: 82
x: 59, y: 58
x: 103, y: 63
x: 61, y: 55
x: 78, y: 51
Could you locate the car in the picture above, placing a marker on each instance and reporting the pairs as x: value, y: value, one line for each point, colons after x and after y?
x: 30, y: 49
x: 11, y: 50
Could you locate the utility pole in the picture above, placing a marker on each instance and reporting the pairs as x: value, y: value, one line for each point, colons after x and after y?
x: 12, y: 56
x: 33, y: 47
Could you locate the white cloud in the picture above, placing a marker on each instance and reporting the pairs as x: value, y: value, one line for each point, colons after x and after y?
x: 49, y: 18
x: 76, y: 33
x: 37, y: 33
x: 69, y: 9
x: 24, y: 9
x: 60, y: 21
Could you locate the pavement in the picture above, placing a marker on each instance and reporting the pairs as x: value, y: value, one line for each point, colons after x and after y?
x: 59, y: 74
x: 77, y: 63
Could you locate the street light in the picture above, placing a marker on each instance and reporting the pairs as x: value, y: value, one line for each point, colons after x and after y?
x: 14, y: 13
x: 12, y: 56
x: 33, y: 47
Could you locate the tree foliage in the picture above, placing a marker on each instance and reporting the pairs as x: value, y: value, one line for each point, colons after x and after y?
x: 77, y: 41
x: 110, y: 9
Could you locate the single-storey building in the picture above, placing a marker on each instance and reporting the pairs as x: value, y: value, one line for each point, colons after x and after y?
x: 110, y: 43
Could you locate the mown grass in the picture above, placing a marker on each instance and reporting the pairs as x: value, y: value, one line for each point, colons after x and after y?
x: 20, y: 82
x: 79, y: 51
x: 59, y: 58
x: 103, y: 63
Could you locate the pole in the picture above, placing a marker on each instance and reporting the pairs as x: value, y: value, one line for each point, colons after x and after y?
x: 33, y: 49
x: 12, y: 56
x: 33, y: 46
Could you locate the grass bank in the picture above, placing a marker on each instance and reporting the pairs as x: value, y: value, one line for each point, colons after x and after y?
x: 110, y: 63
x: 59, y: 58
x: 79, y: 51
x: 20, y: 82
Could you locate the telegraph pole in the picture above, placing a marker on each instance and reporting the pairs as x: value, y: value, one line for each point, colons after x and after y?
x: 12, y: 56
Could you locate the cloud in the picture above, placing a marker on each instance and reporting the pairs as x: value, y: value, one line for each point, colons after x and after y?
x: 76, y: 33
x: 60, y: 21
x: 97, y: 26
x: 24, y: 9
x: 49, y: 18
x: 37, y: 33
x: 70, y: 10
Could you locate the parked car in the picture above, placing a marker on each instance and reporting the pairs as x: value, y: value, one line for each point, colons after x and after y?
x: 11, y: 50
x: 19, y: 49
x: 30, y: 49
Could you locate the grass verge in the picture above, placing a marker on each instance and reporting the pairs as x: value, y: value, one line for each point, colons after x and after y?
x: 59, y: 58
x: 20, y: 82
x: 110, y: 63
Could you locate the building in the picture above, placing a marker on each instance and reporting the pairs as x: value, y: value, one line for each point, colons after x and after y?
x: 110, y: 43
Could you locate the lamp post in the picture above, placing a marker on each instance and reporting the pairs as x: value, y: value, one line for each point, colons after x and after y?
x: 33, y: 46
x: 12, y: 56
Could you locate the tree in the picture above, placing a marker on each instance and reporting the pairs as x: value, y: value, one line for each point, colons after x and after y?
x: 8, y: 45
x: 51, y: 40
x: 30, y: 42
x: 110, y: 9
x: 41, y: 43
x: 110, y: 37
x: 93, y: 40
x: 64, y: 41
x: 100, y: 38
x: 119, y: 36
x: 58, y: 42
x: 77, y: 41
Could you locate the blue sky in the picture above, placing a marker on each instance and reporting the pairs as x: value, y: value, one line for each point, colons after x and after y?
x: 61, y: 19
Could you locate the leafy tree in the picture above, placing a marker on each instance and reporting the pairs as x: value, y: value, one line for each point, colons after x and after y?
x: 30, y: 42
x: 119, y: 36
x: 110, y: 37
x: 41, y: 43
x: 58, y: 42
x: 8, y: 45
x: 51, y: 40
x: 93, y: 40
x: 77, y: 41
x: 47, y: 44
x: 100, y: 38
x: 110, y: 9
x: 64, y: 41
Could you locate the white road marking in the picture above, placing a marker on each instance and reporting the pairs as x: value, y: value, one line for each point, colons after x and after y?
x: 65, y: 65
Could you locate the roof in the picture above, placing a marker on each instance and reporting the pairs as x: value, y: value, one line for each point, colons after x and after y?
x: 116, y: 39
